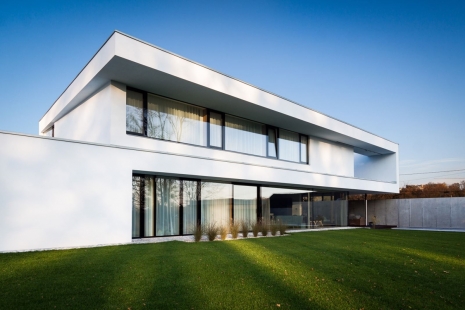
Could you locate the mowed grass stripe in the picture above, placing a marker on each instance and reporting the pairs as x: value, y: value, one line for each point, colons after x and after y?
x: 351, y: 269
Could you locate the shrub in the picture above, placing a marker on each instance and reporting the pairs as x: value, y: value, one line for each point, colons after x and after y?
x: 273, y: 229
x: 282, y: 228
x: 223, y: 232
x: 234, y: 228
x: 245, y: 229
x: 255, y: 228
x: 264, y: 228
x: 212, y: 231
x: 197, y: 231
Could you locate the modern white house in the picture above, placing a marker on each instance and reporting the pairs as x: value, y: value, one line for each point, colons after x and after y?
x: 146, y: 143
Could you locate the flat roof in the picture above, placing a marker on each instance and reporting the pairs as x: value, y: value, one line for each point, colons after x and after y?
x: 139, y: 64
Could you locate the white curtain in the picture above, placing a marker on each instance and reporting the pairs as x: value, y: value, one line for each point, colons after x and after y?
x: 245, y: 136
x: 189, y: 196
x: 288, y: 145
x: 216, y: 202
x: 272, y: 142
x: 175, y: 121
x: 245, y: 204
x: 216, y: 129
x: 136, y: 206
x: 167, y: 207
x: 134, y: 112
x: 148, y: 207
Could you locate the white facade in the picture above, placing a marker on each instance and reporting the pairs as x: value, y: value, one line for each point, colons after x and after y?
x: 75, y: 189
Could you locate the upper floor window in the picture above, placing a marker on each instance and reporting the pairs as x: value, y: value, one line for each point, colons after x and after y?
x: 245, y: 136
x: 167, y: 119
x: 175, y: 121
x: 134, y: 112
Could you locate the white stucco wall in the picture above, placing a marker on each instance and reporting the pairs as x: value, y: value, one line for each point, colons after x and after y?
x: 90, y: 121
x: 330, y: 157
x: 380, y: 167
x: 62, y: 193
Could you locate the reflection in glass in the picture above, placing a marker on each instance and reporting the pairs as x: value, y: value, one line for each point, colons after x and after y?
x: 216, y: 203
x: 216, y: 129
x: 136, y: 202
x: 175, y: 121
x: 330, y: 208
x: 289, y: 145
x: 189, y: 197
x: 134, y: 112
x: 148, y: 207
x: 303, y: 148
x: 245, y: 136
x: 167, y: 211
x: 289, y: 206
x: 272, y: 142
x: 245, y: 204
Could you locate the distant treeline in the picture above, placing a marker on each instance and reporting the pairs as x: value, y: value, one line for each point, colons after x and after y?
x: 430, y: 190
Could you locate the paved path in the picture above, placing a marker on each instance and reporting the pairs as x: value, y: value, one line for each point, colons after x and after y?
x: 433, y: 229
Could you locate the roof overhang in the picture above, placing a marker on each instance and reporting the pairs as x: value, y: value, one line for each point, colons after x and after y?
x: 141, y: 65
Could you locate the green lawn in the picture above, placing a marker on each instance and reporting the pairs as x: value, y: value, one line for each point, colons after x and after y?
x: 351, y: 269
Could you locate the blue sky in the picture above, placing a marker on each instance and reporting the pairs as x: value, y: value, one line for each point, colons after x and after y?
x: 394, y: 68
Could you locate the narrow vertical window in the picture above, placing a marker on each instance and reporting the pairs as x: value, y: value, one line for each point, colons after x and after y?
x: 272, y: 146
x: 167, y: 206
x: 303, y: 149
x: 134, y: 112
x: 216, y: 130
x: 137, y: 197
x: 189, y: 203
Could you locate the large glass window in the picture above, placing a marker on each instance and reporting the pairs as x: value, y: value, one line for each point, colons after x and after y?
x: 289, y: 206
x: 245, y: 203
x: 216, y: 130
x: 149, y: 207
x: 167, y: 119
x: 175, y: 121
x: 330, y: 209
x: 189, y: 203
x: 167, y: 214
x: 216, y: 203
x: 245, y: 136
x: 289, y: 145
x: 134, y: 112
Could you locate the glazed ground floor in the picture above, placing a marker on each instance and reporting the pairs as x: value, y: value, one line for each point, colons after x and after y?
x: 170, y: 206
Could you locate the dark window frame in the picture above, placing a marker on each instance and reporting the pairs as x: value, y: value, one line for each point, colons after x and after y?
x: 223, y: 125
x: 276, y: 129
x: 306, y: 151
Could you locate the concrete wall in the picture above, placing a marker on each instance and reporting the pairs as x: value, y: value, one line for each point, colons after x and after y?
x: 421, y: 212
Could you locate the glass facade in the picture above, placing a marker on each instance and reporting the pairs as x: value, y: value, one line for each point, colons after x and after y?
x: 167, y: 119
x: 245, y: 136
x: 164, y: 206
x: 289, y: 148
x: 245, y: 203
x: 175, y: 121
x: 167, y: 213
x: 216, y: 203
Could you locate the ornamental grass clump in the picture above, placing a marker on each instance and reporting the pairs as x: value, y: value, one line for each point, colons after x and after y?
x: 212, y: 231
x: 197, y: 231
x: 273, y: 229
x: 234, y: 228
x: 282, y: 228
x: 223, y: 232
x: 245, y: 229
x: 255, y: 229
x: 264, y: 228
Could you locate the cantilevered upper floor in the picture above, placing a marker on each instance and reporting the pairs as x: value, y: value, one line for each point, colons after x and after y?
x: 129, y: 77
